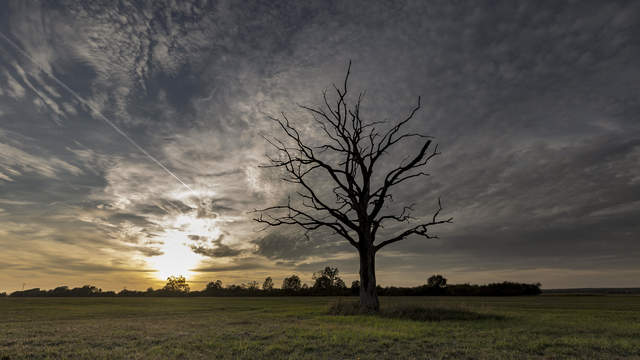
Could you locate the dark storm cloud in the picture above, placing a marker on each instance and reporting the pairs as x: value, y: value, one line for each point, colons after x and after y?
x: 534, y: 105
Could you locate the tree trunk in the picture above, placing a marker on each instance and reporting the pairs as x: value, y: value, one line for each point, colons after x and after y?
x: 368, y: 295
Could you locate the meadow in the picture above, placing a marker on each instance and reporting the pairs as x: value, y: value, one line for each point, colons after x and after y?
x: 533, y: 327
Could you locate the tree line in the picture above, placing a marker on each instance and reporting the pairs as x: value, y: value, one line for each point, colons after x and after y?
x: 327, y: 282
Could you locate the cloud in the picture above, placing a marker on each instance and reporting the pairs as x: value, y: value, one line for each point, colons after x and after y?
x: 218, y: 250
x: 532, y: 105
x: 288, y: 245
x: 246, y: 264
x: 15, y: 202
x: 14, y: 161
x: 14, y: 90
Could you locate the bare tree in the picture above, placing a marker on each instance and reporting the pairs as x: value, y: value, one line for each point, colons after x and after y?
x: 350, y: 158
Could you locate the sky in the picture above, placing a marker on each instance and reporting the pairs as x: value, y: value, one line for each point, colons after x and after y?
x: 131, y: 135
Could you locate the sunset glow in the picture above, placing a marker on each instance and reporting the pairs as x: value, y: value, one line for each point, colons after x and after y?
x: 177, y: 258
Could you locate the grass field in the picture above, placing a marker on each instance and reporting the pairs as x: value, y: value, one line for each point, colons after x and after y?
x: 542, y: 327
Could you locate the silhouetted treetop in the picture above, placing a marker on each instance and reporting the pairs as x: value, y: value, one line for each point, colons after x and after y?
x: 176, y: 284
x: 437, y: 281
x: 267, y: 285
x: 291, y: 283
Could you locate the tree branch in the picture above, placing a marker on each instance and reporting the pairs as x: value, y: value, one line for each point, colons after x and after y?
x: 417, y: 230
x: 348, y: 159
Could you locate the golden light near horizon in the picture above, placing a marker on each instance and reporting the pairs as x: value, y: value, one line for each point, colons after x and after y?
x: 178, y: 258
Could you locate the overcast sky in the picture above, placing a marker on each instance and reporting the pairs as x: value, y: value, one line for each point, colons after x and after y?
x: 534, y: 104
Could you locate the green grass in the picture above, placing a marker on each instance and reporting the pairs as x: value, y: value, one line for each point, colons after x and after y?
x: 542, y: 327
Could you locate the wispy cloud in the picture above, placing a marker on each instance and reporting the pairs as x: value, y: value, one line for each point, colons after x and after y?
x: 15, y: 161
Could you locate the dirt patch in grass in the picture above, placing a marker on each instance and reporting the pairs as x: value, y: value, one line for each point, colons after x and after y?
x: 411, y: 312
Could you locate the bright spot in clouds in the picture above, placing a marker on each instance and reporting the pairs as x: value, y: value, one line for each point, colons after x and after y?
x: 177, y: 257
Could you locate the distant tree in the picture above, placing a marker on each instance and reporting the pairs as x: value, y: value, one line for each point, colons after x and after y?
x: 328, y: 273
x: 253, y: 285
x: 217, y: 285
x: 328, y: 279
x: 149, y: 290
x: 322, y: 283
x: 176, y: 284
x: 3, y: 294
x: 437, y: 281
x: 267, y: 285
x: 349, y: 161
x: 292, y: 283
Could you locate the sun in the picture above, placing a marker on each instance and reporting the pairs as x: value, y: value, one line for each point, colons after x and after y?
x: 177, y: 258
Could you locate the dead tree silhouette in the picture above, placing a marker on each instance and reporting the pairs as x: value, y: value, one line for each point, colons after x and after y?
x: 350, y: 159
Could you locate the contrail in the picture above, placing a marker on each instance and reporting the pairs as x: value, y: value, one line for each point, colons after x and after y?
x: 96, y: 111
